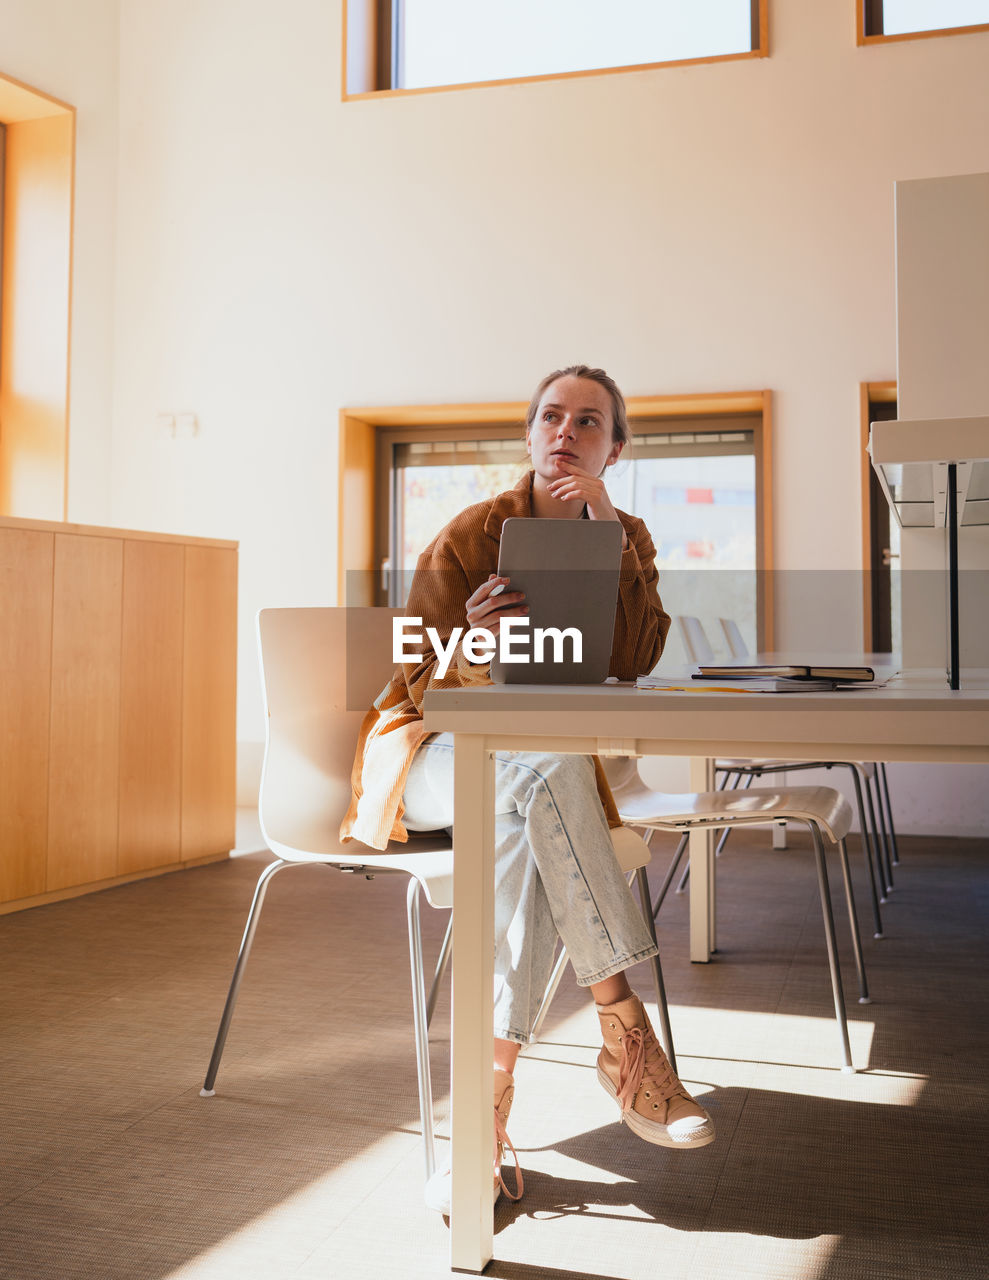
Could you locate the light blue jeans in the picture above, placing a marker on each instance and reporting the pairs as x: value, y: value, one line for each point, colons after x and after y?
x: 556, y: 874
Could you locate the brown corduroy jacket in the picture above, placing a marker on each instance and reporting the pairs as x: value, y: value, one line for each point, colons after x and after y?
x: 452, y: 567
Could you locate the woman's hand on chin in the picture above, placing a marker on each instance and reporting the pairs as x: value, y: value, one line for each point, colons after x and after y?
x: 580, y: 486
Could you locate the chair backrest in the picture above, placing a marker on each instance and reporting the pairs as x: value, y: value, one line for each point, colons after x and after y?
x: 321, y: 668
x: 694, y: 640
x: 736, y: 645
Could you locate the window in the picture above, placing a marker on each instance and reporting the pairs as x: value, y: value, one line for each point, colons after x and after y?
x: 38, y: 138
x: 429, y: 481
x: 695, y: 488
x: 906, y: 19
x: 3, y: 169
x: 882, y: 611
x: 697, y: 473
x: 426, y: 44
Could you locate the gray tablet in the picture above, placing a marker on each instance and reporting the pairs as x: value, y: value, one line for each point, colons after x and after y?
x: 569, y: 571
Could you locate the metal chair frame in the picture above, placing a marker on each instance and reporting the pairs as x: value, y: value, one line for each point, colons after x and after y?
x: 650, y: 811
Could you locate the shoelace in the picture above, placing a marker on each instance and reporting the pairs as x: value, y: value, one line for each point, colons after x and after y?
x: 639, y: 1051
x: 502, y: 1140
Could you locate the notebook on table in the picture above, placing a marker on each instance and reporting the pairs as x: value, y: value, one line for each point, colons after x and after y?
x: 786, y: 671
x: 569, y: 572
x: 767, y: 684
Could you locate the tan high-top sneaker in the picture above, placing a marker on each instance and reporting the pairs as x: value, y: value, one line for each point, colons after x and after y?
x: 438, y: 1188
x: 504, y: 1095
x: 637, y: 1073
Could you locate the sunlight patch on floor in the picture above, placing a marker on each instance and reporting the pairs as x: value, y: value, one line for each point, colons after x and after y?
x: 753, y: 1038
x: 302, y: 1225
x: 718, y: 1048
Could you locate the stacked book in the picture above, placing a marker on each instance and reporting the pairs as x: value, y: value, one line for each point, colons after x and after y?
x: 785, y: 678
x: 790, y: 678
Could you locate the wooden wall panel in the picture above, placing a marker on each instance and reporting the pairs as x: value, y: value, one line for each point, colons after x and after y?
x: 209, y: 700
x: 85, y: 712
x: 101, y: 778
x: 25, y: 681
x: 151, y: 706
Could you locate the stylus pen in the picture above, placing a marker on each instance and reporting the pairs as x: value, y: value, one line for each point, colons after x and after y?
x: 693, y: 688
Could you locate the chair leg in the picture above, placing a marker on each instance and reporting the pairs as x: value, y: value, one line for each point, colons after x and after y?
x: 839, y: 995
x: 880, y: 844
x: 871, y: 853
x: 728, y: 830
x: 549, y: 993
x: 665, y: 1030
x: 854, y: 921
x: 246, y: 942
x: 664, y: 888
x: 442, y: 960
x: 722, y: 786
x: 881, y: 772
x: 881, y: 824
x: 421, y: 1026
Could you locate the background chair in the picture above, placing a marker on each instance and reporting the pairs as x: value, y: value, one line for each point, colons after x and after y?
x: 883, y: 828
x: 695, y: 642
x: 743, y: 772
x: 822, y: 809
x: 738, y: 649
x: 321, y: 669
x: 735, y: 640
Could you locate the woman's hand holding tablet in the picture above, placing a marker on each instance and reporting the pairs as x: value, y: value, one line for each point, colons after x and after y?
x: 490, y: 603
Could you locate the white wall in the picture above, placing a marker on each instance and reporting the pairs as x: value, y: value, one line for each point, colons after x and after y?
x: 69, y: 50
x: 281, y: 254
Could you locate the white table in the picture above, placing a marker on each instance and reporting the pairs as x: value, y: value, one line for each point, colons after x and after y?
x: 915, y: 717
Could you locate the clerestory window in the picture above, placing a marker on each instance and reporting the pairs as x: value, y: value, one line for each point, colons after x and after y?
x: 428, y: 44
x: 907, y: 19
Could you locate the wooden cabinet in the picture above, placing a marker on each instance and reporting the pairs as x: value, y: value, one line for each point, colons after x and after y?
x: 26, y: 560
x: 117, y: 706
x: 151, y: 714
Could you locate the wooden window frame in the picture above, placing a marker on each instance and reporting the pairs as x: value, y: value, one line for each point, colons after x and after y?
x: 359, y: 498
x: 869, y: 16
x: 870, y: 393
x: 382, y: 58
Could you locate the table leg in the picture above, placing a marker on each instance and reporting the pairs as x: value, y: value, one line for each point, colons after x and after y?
x: 472, y: 1049
x: 703, y: 934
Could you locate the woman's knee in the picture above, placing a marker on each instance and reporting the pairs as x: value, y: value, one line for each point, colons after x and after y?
x: 567, y: 782
x: 570, y: 773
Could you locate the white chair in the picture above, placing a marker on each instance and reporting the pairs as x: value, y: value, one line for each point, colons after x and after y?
x: 736, y: 643
x: 883, y: 834
x: 695, y: 642
x: 822, y: 808
x: 321, y: 669
x: 699, y: 652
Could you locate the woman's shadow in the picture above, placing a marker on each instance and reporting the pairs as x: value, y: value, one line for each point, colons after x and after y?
x: 784, y: 1165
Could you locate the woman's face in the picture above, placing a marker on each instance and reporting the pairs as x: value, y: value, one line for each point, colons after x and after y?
x: 573, y: 425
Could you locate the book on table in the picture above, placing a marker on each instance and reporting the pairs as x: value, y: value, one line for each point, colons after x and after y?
x: 787, y: 671
x: 769, y: 684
